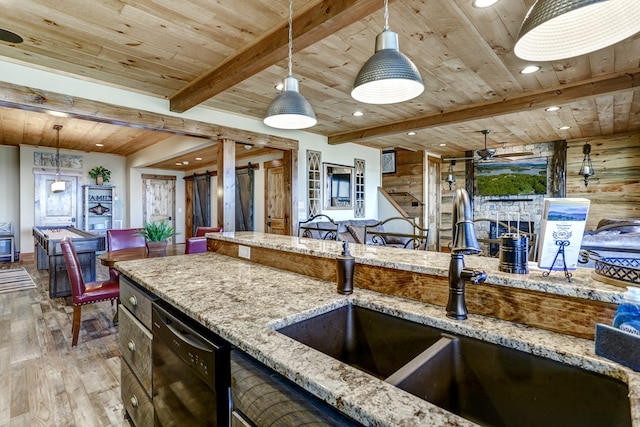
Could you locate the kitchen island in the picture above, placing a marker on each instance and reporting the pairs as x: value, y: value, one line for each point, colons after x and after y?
x: 245, y: 303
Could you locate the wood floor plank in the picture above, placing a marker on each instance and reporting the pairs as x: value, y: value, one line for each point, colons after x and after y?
x: 43, y: 380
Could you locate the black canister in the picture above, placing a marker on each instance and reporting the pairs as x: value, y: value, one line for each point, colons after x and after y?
x: 345, y: 263
x: 514, y: 253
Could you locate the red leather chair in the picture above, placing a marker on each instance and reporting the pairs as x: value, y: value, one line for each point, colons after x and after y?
x: 198, y: 244
x: 201, y: 231
x: 123, y: 238
x: 85, y: 293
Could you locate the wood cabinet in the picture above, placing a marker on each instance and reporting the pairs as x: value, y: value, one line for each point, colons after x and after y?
x: 135, y: 348
x: 97, y: 208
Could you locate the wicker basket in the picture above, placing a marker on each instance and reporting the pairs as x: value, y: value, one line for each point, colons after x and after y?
x: 623, y: 270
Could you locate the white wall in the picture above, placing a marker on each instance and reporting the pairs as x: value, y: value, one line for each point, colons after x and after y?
x: 342, y: 154
x: 116, y: 164
x: 10, y: 191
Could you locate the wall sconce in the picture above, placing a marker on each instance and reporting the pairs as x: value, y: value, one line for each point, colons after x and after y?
x: 586, y: 170
x: 451, y: 178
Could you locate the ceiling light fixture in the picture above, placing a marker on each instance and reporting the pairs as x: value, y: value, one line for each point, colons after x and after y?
x: 586, y: 170
x: 560, y: 29
x: 451, y: 178
x: 290, y: 110
x: 388, y: 76
x: 57, y: 186
x: 99, y: 145
x: 564, y: 127
x: 530, y: 69
x: 412, y: 133
x: 358, y: 113
x: 10, y: 36
x: 554, y: 108
x: 198, y: 158
x: 483, y: 3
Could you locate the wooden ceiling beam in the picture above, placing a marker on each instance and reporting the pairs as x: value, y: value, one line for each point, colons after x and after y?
x: 585, y: 89
x: 310, y: 26
x: 32, y: 99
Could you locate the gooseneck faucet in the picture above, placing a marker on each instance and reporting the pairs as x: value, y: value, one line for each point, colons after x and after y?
x: 464, y: 242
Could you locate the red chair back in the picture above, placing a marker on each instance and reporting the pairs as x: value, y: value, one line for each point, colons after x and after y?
x: 201, y: 231
x: 125, y: 238
x: 73, y: 270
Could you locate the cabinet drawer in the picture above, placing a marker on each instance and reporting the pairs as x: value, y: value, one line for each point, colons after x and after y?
x: 134, y: 399
x: 135, y: 347
x: 136, y: 301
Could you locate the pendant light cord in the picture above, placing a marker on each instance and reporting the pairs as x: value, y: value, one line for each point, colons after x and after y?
x: 386, y: 14
x: 57, y: 128
x: 291, y: 37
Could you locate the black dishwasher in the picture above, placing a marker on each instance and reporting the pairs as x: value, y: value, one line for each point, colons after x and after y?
x: 191, y: 372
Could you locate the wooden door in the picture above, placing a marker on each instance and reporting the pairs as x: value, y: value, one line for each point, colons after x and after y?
x: 158, y: 198
x: 275, y: 200
x: 55, y: 208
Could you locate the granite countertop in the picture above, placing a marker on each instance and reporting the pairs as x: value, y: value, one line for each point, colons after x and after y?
x: 582, y: 284
x: 244, y: 303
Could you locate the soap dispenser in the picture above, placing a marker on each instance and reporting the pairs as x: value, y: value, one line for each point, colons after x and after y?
x: 345, y: 263
x: 627, y: 317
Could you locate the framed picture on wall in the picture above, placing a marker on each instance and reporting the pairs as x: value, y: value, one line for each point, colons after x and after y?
x: 388, y: 162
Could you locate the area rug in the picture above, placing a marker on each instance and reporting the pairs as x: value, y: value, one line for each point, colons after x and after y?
x: 15, y: 279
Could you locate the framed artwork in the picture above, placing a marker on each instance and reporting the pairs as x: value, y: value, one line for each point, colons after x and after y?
x: 388, y: 162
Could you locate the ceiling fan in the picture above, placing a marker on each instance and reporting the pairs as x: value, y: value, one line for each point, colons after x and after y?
x: 488, y: 154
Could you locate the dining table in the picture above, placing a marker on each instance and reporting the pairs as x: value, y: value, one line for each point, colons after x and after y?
x: 110, y: 258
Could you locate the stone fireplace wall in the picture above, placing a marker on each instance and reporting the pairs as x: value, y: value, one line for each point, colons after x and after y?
x: 527, y: 208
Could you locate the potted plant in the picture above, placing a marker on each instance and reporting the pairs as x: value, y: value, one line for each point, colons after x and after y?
x: 100, y: 174
x: 156, y: 233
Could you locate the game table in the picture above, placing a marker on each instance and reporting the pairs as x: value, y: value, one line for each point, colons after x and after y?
x: 49, y: 255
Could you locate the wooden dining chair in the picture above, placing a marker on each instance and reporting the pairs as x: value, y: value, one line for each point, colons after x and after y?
x: 85, y: 293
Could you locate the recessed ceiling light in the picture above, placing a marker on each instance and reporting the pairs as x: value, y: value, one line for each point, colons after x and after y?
x: 483, y: 3
x: 178, y: 164
x: 442, y: 144
x: 99, y: 145
x: 358, y: 113
x: 564, y: 127
x: 554, y: 108
x: 279, y: 86
x: 185, y: 162
x: 198, y: 158
x: 529, y: 69
x: 411, y: 133
x: 9, y: 36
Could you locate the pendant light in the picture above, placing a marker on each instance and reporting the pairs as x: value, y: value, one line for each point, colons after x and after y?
x: 290, y: 110
x: 559, y: 29
x: 388, y: 76
x: 451, y: 177
x: 57, y: 186
x: 586, y: 170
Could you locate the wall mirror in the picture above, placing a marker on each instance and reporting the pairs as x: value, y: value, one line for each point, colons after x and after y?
x: 338, y: 186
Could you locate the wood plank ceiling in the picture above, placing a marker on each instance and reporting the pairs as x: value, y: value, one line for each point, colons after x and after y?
x: 229, y: 54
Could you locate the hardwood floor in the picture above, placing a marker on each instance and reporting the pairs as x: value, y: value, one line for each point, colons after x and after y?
x: 43, y: 380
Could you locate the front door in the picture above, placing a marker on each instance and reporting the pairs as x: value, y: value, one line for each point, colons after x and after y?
x: 53, y: 209
x: 158, y: 198
x: 275, y: 198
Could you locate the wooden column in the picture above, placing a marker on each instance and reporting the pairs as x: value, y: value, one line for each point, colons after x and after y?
x: 227, y: 184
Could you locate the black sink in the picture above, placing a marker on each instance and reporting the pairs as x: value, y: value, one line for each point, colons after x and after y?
x: 486, y: 383
x: 374, y: 342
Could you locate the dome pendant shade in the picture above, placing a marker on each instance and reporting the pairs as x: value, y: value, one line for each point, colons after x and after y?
x: 388, y: 76
x: 290, y: 110
x: 559, y: 29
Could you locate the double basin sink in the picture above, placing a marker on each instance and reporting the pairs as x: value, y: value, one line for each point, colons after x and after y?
x: 483, y: 382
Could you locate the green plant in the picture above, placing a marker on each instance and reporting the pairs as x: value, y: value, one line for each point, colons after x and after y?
x: 100, y: 170
x: 158, y: 231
